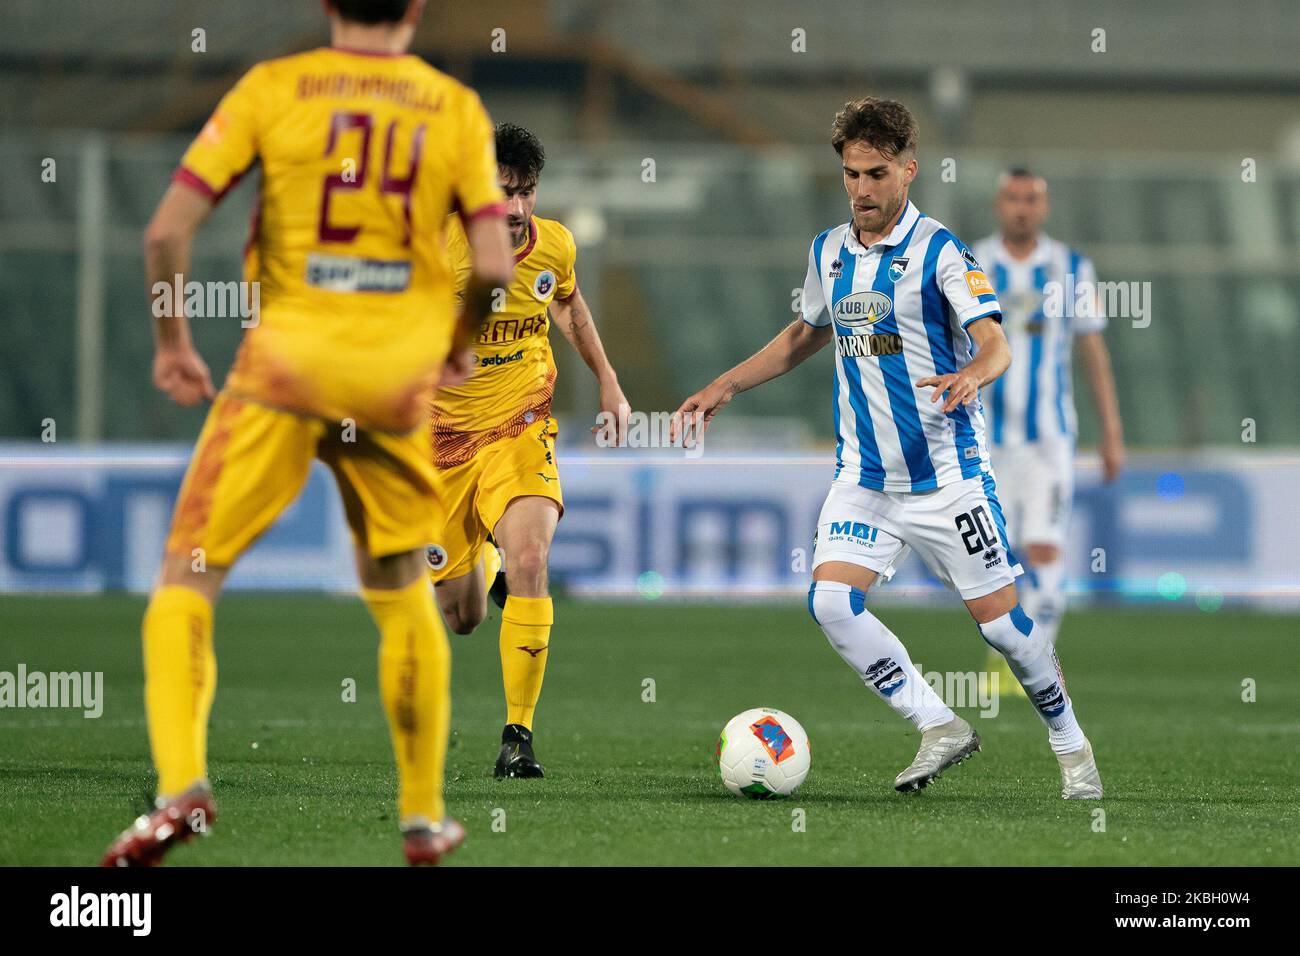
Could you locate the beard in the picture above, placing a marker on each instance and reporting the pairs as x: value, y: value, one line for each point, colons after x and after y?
x: 877, y: 220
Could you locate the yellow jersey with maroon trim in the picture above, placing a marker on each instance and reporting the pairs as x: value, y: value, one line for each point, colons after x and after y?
x: 362, y: 158
x: 514, y: 371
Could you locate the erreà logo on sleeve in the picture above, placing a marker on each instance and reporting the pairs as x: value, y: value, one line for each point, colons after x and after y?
x: 75, y: 909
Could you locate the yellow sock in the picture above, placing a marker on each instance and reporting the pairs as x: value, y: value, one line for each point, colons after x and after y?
x: 525, y: 636
x: 180, y: 678
x: 415, y: 685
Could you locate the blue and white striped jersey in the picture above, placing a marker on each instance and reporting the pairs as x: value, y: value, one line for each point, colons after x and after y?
x: 900, y: 309
x: 1047, y: 299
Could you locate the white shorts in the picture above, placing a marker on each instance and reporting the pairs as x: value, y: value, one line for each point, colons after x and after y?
x: 1036, y: 484
x: 958, y: 530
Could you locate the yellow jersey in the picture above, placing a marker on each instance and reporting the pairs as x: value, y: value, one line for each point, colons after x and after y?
x: 363, y: 156
x: 514, y: 371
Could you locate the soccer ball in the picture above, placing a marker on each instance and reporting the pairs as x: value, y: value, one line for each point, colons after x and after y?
x: 763, y: 753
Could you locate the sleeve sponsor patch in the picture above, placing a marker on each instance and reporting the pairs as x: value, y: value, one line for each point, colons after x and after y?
x: 978, y: 283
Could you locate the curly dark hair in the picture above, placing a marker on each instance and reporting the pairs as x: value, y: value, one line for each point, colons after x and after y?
x: 882, y: 124
x: 519, y: 151
x: 371, y: 11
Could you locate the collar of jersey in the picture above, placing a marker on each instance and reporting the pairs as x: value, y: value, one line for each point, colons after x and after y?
x: 896, y: 235
x: 522, y: 252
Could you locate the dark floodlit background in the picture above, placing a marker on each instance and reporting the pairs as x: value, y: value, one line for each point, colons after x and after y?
x: 1169, y: 133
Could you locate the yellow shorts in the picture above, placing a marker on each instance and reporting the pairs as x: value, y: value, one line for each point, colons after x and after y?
x: 476, y: 493
x: 251, y: 462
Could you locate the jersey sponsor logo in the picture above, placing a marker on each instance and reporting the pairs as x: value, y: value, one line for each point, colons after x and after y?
x: 864, y: 533
x: 897, y: 269
x: 978, y: 283
x: 991, y: 558
x: 488, y: 361
x: 886, y: 676
x: 863, y: 308
x: 837, y: 269
x: 775, y: 740
x: 544, y: 284
x: 500, y: 331
x: 350, y: 274
x: 868, y: 346
x: 971, y: 260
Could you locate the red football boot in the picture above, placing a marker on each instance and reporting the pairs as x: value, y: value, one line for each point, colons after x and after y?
x: 146, y: 841
x: 426, y: 846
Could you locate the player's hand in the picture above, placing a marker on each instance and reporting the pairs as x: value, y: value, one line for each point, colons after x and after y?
x: 614, y: 402
x: 457, y: 369
x: 962, y: 388
x: 1112, y: 458
x: 179, y: 371
x: 692, y: 419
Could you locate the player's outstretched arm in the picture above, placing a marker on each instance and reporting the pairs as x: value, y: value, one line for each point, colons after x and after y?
x: 992, y: 358
x: 1101, y: 380
x: 795, y: 343
x: 573, y: 316
x: 178, y: 368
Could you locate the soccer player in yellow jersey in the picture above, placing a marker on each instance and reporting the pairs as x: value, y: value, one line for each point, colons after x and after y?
x: 494, y: 445
x: 364, y: 151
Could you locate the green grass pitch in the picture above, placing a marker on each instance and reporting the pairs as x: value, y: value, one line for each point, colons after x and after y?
x: 1193, y: 774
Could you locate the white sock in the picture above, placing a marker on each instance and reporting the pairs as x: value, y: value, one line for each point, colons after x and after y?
x: 875, y: 654
x: 1033, y: 660
x: 1048, y: 598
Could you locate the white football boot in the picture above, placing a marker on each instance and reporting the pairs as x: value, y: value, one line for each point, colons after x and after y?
x: 1079, y: 777
x: 941, y: 748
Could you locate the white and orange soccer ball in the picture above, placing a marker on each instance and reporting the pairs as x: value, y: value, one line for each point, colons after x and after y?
x: 763, y: 753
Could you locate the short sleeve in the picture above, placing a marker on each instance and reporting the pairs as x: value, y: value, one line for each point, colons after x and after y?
x: 228, y: 143
x: 1089, y: 317
x: 964, y: 284
x: 476, y: 189
x: 814, y: 297
x: 567, y: 281
x: 458, y: 255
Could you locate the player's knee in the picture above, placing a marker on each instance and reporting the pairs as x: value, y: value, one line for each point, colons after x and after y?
x: 463, y: 617
x: 831, y: 601
x: 1039, y: 554
x: 526, y: 569
x: 1014, y: 636
x: 178, y: 571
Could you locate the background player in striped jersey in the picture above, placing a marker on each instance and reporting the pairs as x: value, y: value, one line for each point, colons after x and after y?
x: 1032, y: 423
x: 909, y: 308
x: 356, y: 327
x: 494, y: 445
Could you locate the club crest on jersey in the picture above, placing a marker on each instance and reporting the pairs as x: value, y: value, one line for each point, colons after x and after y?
x: 436, y: 556
x: 897, y: 269
x: 544, y: 284
x: 863, y: 308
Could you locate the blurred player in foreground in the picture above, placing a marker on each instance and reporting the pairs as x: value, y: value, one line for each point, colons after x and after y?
x: 909, y: 308
x: 494, y: 445
x: 1049, y: 300
x: 364, y: 151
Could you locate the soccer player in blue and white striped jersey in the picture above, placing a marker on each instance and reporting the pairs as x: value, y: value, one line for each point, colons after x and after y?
x: 909, y: 309
x: 1050, y: 304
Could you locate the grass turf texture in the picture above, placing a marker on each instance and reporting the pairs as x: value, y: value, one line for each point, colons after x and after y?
x: 1193, y: 775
